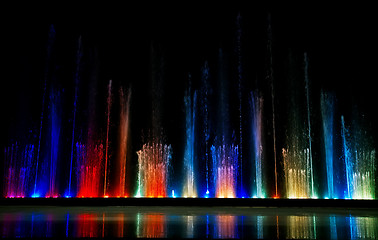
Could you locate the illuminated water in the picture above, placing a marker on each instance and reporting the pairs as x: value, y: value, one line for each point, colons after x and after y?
x: 153, y: 170
x: 204, y: 134
x: 270, y: 78
x: 108, y: 109
x: 297, y: 156
x: 124, y: 138
x: 77, y: 78
x: 90, y: 165
x: 327, y: 102
x: 225, y: 164
x: 360, y: 164
x: 51, y: 41
x: 258, y: 150
x: 190, y: 186
x: 17, y: 177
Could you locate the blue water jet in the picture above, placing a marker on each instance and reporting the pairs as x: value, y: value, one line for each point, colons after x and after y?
x: 327, y: 101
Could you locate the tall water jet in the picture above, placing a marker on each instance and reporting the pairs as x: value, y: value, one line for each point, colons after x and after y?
x: 155, y: 156
x: 50, y: 154
x: 297, y: 156
x: 240, y: 97
x: 327, y: 101
x: 204, y: 133
x: 55, y: 131
x: 125, y: 96
x: 225, y: 154
x: 272, y: 92
x: 50, y: 42
x: 307, y: 87
x: 79, y: 55
x: 190, y: 188
x: 109, y: 104
x: 257, y: 103
x: 347, y: 160
x: 90, y: 150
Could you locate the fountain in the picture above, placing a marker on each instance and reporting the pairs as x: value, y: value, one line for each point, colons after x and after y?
x: 48, y: 152
x: 203, y: 135
x: 109, y: 105
x: 155, y: 155
x: 297, y: 157
x: 360, y: 164
x: 89, y: 161
x: 270, y: 78
x: 240, y: 101
x: 89, y: 148
x: 327, y: 102
x: 224, y: 153
x: 77, y: 79
x: 257, y: 138
x: 225, y: 164
x: 55, y: 129
x: 17, y: 177
x: 51, y: 40
x: 190, y: 189
x: 125, y: 97
x: 153, y: 166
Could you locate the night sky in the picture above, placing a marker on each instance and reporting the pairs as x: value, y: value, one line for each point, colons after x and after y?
x: 140, y: 45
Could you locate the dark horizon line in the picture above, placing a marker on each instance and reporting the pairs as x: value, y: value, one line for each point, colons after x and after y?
x: 191, y: 202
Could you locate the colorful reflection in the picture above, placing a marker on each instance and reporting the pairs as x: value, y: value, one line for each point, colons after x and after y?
x: 363, y: 227
x: 225, y: 227
x: 190, y: 222
x: 88, y: 225
x: 301, y: 227
x: 184, y: 223
x: 151, y: 226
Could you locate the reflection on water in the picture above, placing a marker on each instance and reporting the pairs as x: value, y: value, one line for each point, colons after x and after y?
x: 225, y: 226
x: 151, y: 226
x: 189, y: 220
x: 259, y: 227
x: 363, y: 227
x: 176, y: 222
x: 301, y: 227
x: 88, y: 225
x: 333, y: 228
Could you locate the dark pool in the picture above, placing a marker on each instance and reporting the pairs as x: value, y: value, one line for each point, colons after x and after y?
x: 188, y: 222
